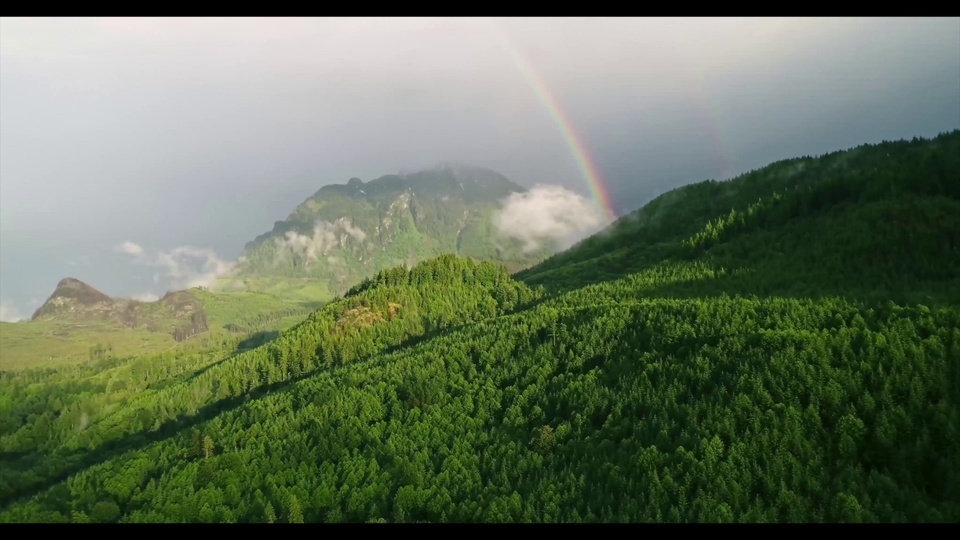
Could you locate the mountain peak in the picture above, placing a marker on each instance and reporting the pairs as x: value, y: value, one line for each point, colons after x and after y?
x: 70, y: 287
x: 71, y: 282
x: 72, y: 295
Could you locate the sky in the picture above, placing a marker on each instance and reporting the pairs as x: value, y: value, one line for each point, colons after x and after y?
x: 128, y: 146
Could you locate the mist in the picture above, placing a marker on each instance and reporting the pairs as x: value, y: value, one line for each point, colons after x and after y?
x: 325, y: 236
x: 190, y: 137
x: 10, y: 313
x: 548, y: 213
x: 182, y: 267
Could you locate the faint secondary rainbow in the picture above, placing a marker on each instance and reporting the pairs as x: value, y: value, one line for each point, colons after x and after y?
x: 595, y: 183
x: 712, y: 114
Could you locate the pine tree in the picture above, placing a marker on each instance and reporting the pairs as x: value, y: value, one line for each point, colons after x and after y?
x: 295, y: 514
x: 271, y: 515
x: 196, y: 444
x: 207, y: 447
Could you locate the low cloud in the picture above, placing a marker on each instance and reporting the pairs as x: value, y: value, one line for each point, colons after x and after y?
x: 183, y: 267
x: 232, y: 285
x: 189, y: 266
x: 324, y: 237
x: 353, y: 231
x: 146, y: 297
x: 312, y: 245
x: 548, y: 213
x: 10, y: 312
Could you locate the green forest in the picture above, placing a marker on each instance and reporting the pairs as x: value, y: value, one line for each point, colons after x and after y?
x: 779, y: 347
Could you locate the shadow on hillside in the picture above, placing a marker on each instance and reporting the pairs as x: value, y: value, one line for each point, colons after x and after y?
x: 778, y: 276
x: 256, y: 339
x: 252, y: 342
x: 759, y: 282
x: 314, y: 305
x: 875, y: 288
x: 611, y: 266
x: 80, y: 459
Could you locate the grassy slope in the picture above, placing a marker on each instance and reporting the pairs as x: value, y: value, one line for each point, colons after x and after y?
x: 794, y: 360
x: 52, y: 343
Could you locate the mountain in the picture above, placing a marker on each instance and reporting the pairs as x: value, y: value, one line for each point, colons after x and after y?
x: 73, y: 298
x: 78, y: 322
x: 782, y: 347
x: 179, y: 312
x: 346, y: 232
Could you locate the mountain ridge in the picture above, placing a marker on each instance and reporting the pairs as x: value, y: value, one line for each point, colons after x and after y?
x: 346, y: 232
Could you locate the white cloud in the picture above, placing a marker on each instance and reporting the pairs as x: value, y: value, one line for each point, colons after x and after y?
x: 310, y: 246
x: 189, y: 266
x: 9, y: 312
x: 353, y: 231
x: 184, y: 267
x: 548, y: 212
x: 146, y: 297
x: 324, y: 237
x: 129, y: 248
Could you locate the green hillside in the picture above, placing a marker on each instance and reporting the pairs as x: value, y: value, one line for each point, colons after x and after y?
x: 869, y: 218
x: 782, y: 347
x: 347, y: 232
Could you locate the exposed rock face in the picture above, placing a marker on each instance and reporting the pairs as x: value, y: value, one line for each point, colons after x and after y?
x: 181, y: 303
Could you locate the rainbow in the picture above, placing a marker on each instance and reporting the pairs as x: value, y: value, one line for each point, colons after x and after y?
x: 712, y: 114
x: 598, y: 188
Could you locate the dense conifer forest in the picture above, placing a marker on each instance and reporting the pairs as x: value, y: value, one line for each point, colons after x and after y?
x: 780, y: 347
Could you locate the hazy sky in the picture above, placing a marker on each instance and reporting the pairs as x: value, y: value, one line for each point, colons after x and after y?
x: 203, y: 132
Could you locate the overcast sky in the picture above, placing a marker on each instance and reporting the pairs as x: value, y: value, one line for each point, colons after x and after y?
x: 203, y: 132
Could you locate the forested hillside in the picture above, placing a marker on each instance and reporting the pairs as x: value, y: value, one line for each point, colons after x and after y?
x: 870, y: 218
x: 781, y: 347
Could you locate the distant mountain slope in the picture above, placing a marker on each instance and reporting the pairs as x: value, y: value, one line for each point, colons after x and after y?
x: 344, y: 233
x: 740, y: 353
x: 75, y: 301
